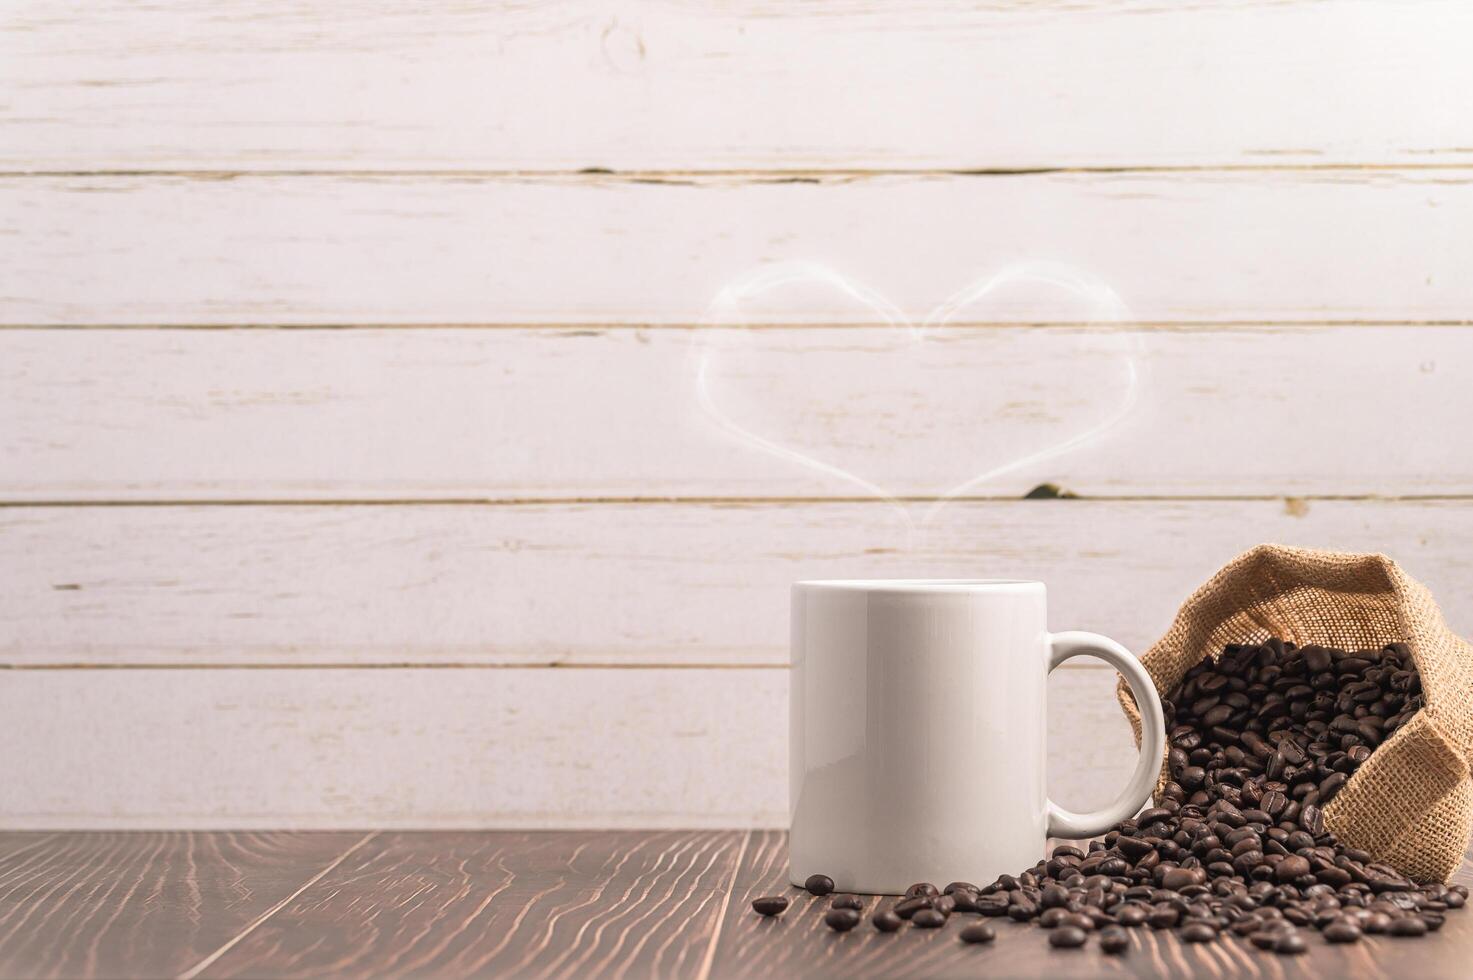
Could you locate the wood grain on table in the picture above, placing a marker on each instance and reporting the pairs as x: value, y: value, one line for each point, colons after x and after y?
x: 531, y: 904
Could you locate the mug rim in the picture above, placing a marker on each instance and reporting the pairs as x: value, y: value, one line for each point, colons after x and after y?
x: 922, y: 585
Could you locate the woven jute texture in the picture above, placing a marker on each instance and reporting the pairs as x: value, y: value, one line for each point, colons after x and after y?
x: 1411, y: 803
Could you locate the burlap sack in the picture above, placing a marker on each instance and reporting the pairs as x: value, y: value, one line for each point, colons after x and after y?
x: 1410, y: 804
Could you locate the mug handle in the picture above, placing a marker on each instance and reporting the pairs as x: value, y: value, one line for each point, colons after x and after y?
x: 1066, y: 646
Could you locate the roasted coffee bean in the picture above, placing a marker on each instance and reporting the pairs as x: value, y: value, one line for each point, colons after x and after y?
x: 847, y: 902
x: 886, y: 921
x: 922, y: 888
x: 1376, y: 923
x: 907, y: 907
x: 1078, y: 920
x: 1068, y: 937
x: 1198, y: 931
x: 1049, y: 918
x: 1163, y: 918
x: 1291, y: 868
x: 819, y: 884
x: 770, y: 905
x: 994, y: 904
x: 1131, y: 915
x: 1342, y: 931
x: 928, y: 919
x: 1176, y: 879
x: 1053, y: 896
x: 955, y: 886
x: 978, y: 932
x: 962, y: 900
x: 1290, y: 944
x: 841, y: 920
x: 1022, y: 910
x: 1408, y: 925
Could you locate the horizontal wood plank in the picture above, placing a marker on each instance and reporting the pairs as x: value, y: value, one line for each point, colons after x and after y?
x: 634, y: 413
x: 444, y: 85
x: 1294, y: 246
x: 445, y: 748
x: 568, y: 904
x: 148, y: 904
x: 536, y: 903
x: 598, y: 584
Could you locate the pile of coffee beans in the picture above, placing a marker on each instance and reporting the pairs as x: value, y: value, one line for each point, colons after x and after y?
x: 1261, y: 738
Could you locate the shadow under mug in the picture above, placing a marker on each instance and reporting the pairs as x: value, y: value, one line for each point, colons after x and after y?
x: 918, y: 731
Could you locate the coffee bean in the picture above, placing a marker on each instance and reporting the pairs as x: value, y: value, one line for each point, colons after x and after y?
x: 1198, y: 932
x: 1266, y: 938
x: 1079, y: 920
x: 1114, y: 940
x: 1067, y: 937
x: 978, y: 932
x: 955, y: 886
x: 1176, y: 879
x: 1163, y: 918
x: 819, y: 884
x: 1291, y: 868
x: 907, y: 907
x: 922, y: 888
x: 1131, y: 915
x: 1290, y: 944
x: 928, y: 919
x: 847, y: 902
x: 1376, y: 924
x: 1408, y: 925
x: 962, y: 900
x: 1342, y: 931
x: 841, y: 920
x: 1053, y: 896
x: 994, y: 904
x: 886, y: 921
x: 770, y: 905
x: 1022, y: 910
x: 1049, y: 918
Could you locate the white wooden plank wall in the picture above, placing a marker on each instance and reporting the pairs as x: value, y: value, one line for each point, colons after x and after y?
x: 354, y: 468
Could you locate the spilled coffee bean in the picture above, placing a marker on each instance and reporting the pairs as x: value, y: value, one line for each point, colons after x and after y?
x: 847, y: 902
x: 1261, y: 738
x: 886, y: 921
x: 1068, y: 937
x: 978, y: 932
x: 770, y: 905
x: 819, y: 884
x: 928, y: 919
x: 841, y: 920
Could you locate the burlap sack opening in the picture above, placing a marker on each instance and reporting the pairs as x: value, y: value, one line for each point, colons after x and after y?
x: 1411, y: 803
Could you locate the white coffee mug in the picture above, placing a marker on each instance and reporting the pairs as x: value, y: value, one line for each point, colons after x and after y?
x: 918, y: 731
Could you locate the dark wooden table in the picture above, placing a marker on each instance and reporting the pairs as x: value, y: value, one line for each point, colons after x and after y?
x: 533, y: 904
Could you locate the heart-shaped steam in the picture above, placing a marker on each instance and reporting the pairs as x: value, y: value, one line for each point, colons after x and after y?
x: 730, y: 304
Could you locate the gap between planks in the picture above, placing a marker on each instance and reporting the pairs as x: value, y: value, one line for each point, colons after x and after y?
x: 705, y: 501
x: 739, y: 175
x: 203, y: 964
x: 590, y: 328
